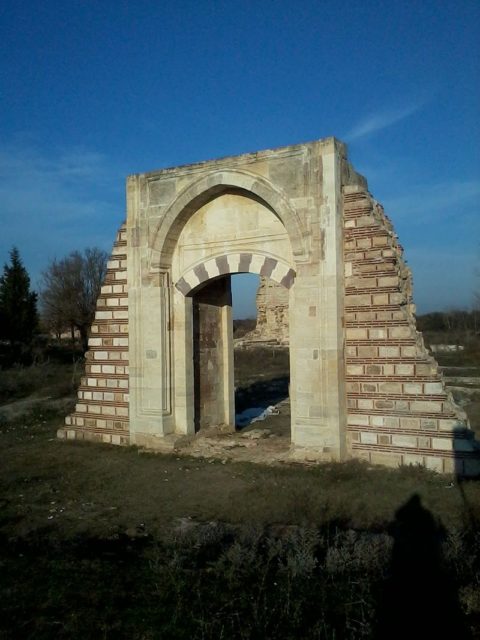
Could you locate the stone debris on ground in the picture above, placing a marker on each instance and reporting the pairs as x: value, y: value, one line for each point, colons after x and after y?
x: 257, y: 434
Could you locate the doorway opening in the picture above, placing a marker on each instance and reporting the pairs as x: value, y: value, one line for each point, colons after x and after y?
x: 261, y: 353
x: 241, y: 354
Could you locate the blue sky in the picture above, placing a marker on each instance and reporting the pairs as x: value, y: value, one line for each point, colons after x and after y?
x: 93, y: 91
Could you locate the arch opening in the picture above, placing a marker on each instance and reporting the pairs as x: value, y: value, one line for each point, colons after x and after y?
x: 229, y: 234
x: 237, y: 383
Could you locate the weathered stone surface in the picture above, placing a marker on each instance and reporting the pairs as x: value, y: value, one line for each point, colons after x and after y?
x: 160, y: 359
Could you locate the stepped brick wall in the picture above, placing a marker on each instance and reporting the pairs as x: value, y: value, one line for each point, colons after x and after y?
x: 399, y: 411
x: 101, y: 412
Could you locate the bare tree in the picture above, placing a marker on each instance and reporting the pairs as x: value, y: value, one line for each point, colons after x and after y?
x: 69, y: 291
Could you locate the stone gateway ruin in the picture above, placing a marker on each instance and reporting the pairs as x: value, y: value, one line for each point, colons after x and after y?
x: 160, y: 359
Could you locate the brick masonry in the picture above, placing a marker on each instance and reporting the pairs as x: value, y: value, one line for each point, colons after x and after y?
x: 101, y: 412
x: 398, y: 410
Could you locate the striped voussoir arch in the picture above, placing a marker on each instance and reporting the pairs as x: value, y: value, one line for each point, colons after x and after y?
x: 267, y: 266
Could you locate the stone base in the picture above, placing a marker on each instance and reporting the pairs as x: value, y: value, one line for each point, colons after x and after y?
x: 304, y: 454
x: 165, y: 444
x: 121, y: 439
x: 462, y: 466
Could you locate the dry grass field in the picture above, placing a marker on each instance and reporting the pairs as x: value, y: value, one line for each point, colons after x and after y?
x: 108, y: 542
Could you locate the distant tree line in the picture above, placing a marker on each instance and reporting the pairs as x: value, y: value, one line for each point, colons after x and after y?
x: 68, y: 294
x: 452, y: 321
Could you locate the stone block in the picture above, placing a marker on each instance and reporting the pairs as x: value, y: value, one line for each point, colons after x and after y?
x: 373, y: 370
x: 434, y: 388
x: 365, y: 403
x: 367, y: 352
x: 363, y: 243
x: 356, y: 334
x: 367, y: 437
x: 434, y: 463
x: 365, y: 221
x: 388, y: 281
x: 354, y: 370
x: 426, y: 406
x: 392, y: 422
x: 397, y: 298
x: 404, y: 369
x: 384, y: 404
x: 424, y: 443
x: 380, y: 299
x: 361, y: 300
x: 390, y: 387
x: 377, y: 334
x: 399, y: 333
x: 413, y: 459
x: 389, y: 352
x: 425, y: 369
x: 385, y: 458
x: 447, y: 424
x: 409, y: 423
x: 352, y: 387
x: 388, y: 370
x: 357, y: 419
x: 413, y: 388
x: 429, y: 424
x: 380, y: 241
x: 404, y: 441
x: 443, y: 444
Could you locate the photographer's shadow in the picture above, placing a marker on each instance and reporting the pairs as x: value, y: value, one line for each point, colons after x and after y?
x: 419, y: 599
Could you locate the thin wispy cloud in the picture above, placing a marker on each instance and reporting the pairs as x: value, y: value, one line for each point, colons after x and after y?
x: 458, y: 198
x: 381, y: 120
x: 53, y: 203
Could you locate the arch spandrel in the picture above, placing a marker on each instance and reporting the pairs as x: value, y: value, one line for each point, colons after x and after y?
x: 198, y: 193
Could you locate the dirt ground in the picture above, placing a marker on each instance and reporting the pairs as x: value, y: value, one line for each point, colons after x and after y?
x: 73, y: 487
x: 77, y: 518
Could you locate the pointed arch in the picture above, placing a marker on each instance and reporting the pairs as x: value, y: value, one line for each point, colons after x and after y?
x: 198, y: 193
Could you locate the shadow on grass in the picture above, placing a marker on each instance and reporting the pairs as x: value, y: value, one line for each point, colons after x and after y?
x: 419, y: 598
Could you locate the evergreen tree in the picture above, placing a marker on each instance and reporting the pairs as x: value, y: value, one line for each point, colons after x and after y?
x: 18, y: 305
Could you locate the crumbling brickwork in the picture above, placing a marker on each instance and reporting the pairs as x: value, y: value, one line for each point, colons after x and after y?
x: 101, y: 412
x: 398, y: 410
x: 272, y: 313
x: 362, y: 383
